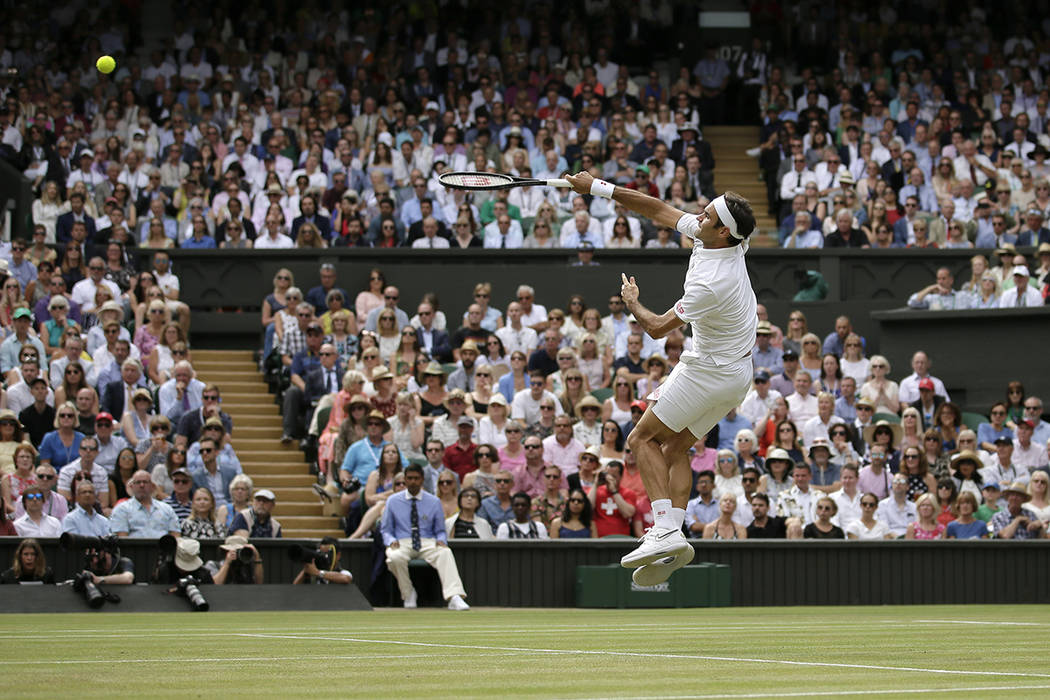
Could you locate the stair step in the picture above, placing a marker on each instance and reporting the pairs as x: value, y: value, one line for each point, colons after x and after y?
x: 271, y: 480
x: 312, y: 534
x: 233, y: 375
x: 230, y: 355
x: 260, y: 407
x: 234, y: 387
x: 265, y: 432
x: 258, y: 391
x: 291, y: 508
x: 308, y: 522
x: 243, y: 420
x: 222, y: 365
x: 259, y: 468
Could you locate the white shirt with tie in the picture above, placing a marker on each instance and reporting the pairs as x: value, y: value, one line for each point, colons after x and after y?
x: 430, y: 242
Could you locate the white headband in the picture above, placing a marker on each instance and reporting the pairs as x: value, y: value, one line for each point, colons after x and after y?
x: 724, y: 217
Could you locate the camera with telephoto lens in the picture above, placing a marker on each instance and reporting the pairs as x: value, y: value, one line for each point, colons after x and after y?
x: 84, y: 583
x: 110, y: 543
x: 352, y: 486
x: 306, y: 555
x: 187, y: 588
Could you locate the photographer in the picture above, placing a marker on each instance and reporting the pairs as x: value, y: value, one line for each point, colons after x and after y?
x: 107, y: 566
x: 324, y: 569
x: 241, y: 565
x: 185, y: 562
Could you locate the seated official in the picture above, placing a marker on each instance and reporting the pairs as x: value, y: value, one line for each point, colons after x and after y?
x: 29, y: 565
x: 331, y: 573
x: 413, y: 527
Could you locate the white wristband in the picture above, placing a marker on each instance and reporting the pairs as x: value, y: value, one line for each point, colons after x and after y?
x: 601, y: 188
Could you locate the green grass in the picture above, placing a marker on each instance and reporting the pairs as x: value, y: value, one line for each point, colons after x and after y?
x: 718, y: 653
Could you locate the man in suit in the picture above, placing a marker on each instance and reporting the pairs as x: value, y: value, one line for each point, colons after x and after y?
x: 214, y: 476
x: 365, y: 123
x: 434, y: 342
x: 64, y: 225
x: 308, y: 214
x: 116, y: 396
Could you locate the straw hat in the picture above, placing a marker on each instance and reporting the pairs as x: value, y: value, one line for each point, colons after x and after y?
x: 895, y: 430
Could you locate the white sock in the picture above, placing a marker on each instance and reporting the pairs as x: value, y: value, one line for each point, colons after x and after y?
x: 662, y: 517
x: 679, y: 517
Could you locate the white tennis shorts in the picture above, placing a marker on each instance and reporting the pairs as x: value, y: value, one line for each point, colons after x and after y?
x: 697, y: 395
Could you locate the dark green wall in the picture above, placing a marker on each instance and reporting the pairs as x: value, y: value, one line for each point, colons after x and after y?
x: 764, y: 572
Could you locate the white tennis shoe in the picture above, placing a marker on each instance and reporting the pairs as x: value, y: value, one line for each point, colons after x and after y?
x: 661, y: 569
x: 657, y: 543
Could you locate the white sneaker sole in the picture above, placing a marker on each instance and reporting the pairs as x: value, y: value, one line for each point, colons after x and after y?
x: 661, y: 570
x: 638, y: 558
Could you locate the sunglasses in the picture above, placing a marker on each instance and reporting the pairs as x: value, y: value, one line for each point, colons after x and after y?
x: 446, y: 482
x: 503, y: 481
x: 533, y: 447
x: 552, y: 476
x: 34, y: 496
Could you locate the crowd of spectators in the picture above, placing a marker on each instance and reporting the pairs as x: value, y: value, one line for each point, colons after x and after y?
x: 935, y: 137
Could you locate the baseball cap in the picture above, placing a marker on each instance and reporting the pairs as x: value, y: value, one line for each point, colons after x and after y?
x: 432, y: 106
x: 926, y: 383
x: 790, y: 354
x: 642, y: 169
x: 1027, y: 421
x: 103, y: 416
x: 315, y: 327
x: 585, y: 246
x: 1021, y: 270
x: 465, y: 420
x: 181, y: 470
x: 23, y: 313
x: 761, y: 376
x: 265, y: 493
x: 639, y: 404
x: 1003, y: 440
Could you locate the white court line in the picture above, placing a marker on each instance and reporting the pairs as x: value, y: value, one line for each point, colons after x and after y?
x: 837, y: 693
x: 699, y: 657
x: 985, y: 622
x: 261, y: 659
x: 496, y: 629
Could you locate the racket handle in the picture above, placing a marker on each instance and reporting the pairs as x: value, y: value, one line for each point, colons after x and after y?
x: 559, y: 183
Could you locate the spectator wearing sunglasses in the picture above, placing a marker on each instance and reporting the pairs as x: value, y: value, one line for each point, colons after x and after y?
x: 35, y: 522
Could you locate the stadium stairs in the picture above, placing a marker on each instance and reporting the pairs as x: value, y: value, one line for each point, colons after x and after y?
x: 737, y: 171
x: 257, y: 439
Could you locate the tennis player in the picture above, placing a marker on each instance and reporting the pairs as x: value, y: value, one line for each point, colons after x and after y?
x: 710, y: 380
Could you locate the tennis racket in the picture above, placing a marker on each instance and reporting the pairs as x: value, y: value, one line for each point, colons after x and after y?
x: 493, y: 181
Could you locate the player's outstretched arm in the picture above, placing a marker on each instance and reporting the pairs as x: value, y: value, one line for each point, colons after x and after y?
x: 655, y: 325
x: 651, y: 208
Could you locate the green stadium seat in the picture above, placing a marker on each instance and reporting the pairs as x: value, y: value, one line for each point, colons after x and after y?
x: 602, y: 394
x: 888, y: 417
x: 971, y: 420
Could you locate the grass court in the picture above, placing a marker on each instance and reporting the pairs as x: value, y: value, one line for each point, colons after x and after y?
x: 936, y: 651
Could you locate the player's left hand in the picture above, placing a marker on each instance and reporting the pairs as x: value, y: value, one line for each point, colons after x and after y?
x: 581, y: 181
x: 628, y: 290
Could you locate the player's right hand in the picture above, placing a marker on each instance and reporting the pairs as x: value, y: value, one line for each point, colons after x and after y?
x: 581, y: 181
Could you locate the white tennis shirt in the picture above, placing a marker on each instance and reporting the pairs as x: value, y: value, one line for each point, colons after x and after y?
x: 717, y: 300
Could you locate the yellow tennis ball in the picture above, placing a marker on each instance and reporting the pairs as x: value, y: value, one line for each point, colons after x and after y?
x: 105, y: 64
